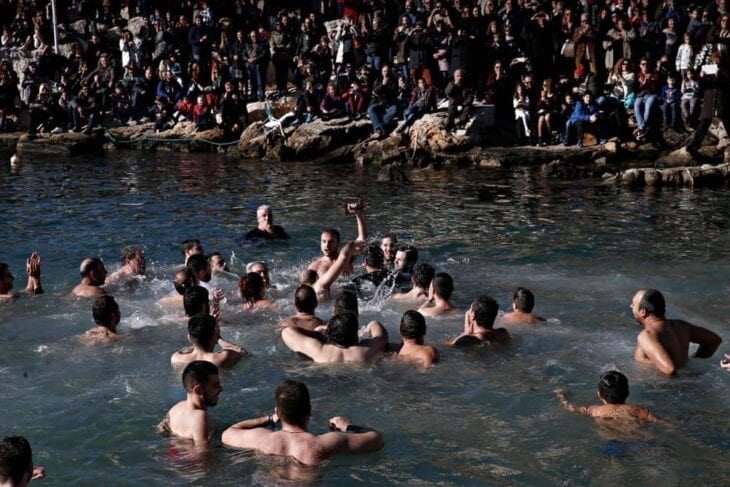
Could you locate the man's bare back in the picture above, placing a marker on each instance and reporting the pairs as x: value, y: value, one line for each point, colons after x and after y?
x: 520, y: 318
x: 98, y: 335
x: 224, y: 358
x: 87, y: 291
x: 187, y: 422
x: 425, y: 354
x: 304, y: 321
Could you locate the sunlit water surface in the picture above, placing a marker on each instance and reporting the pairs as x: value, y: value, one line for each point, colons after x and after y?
x: 486, y: 417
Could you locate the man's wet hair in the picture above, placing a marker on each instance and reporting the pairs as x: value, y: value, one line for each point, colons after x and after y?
x: 130, y: 252
x: 443, y: 285
x: 201, y: 329
x: 374, y: 256
x: 186, y: 283
x: 103, y: 309
x: 213, y: 254
x: 195, y: 300
x: 334, y: 232
x: 16, y: 460
x: 342, y: 329
x: 293, y: 402
x: 411, y: 254
x: 412, y: 325
x: 485, y: 311
x: 197, y: 263
x: 423, y: 275
x: 305, y: 299
x: 614, y: 387
x: 390, y: 235
x: 308, y: 276
x: 346, y: 302
x: 653, y: 302
x: 251, y: 287
x: 198, y: 372
x: 524, y: 300
x: 92, y: 264
x: 189, y: 244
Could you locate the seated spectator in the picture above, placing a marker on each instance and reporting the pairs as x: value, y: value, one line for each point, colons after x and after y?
x: 383, y: 107
x: 308, y: 103
x: 184, y: 109
x: 121, y: 104
x: 331, y: 105
x: 585, y: 118
x: 201, y: 114
x: 547, y: 107
x: 43, y: 111
x: 521, y: 104
x: 423, y: 100
x: 355, y: 99
x: 646, y: 97
x: 461, y: 99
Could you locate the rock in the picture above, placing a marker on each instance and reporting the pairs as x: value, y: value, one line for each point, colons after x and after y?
x: 633, y: 177
x: 611, y: 147
x: 652, y: 177
x: 68, y: 143
x: 677, y: 158
x: 280, y: 107
x: 310, y: 140
x: 600, y: 162
x: 491, y: 162
x: 392, y: 173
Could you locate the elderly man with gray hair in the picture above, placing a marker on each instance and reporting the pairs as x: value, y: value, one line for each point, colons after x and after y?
x: 265, y: 229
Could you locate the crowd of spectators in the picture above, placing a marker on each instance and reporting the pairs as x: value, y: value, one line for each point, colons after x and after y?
x: 552, y: 69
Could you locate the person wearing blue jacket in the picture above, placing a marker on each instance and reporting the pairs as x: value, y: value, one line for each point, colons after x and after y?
x: 671, y: 103
x: 585, y: 117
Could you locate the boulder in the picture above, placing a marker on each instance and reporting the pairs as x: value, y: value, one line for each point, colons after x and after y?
x: 311, y: 140
x: 676, y: 158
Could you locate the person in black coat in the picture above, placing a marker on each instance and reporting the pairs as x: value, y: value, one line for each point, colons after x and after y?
x: 714, y: 89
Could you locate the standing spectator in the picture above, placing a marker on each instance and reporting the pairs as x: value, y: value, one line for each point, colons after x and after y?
x: 715, y: 100
x: 419, y: 51
x: 690, y: 95
x: 257, y: 59
x: 199, y: 38
x: 685, y: 56
x: 281, y: 45
x: 584, y: 39
x: 617, y: 43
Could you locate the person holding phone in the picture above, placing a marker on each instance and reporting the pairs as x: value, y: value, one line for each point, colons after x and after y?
x: 714, y: 82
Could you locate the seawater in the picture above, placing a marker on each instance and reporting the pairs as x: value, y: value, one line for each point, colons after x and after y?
x: 480, y: 418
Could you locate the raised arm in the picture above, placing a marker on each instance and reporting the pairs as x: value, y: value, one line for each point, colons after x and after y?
x: 348, y: 438
x: 33, y: 269
x: 655, y: 352
x: 707, y: 340
x: 362, y: 230
x: 300, y: 341
x: 350, y: 250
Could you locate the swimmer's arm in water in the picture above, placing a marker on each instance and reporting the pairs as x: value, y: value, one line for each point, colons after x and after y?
x: 707, y: 340
x: 563, y: 396
x: 33, y: 269
x: 645, y: 415
x: 656, y: 353
x: 303, y: 341
x: 260, y: 422
x: 348, y: 438
x: 250, y: 433
x: 234, y: 353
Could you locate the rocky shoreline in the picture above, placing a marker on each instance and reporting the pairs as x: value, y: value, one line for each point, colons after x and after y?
x: 425, y: 146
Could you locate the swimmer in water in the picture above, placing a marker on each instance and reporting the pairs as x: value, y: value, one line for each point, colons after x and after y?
x: 133, y: 264
x: 293, y: 409
x: 305, y: 302
x: 200, y: 265
x: 16, y: 462
x: 322, y: 284
x: 189, y: 419
x: 340, y: 343
x: 183, y: 280
x: 725, y: 362
x: 405, y: 259
x: 191, y: 247
x: 479, y: 324
x: 412, y: 332
x: 261, y: 269
x: 439, y: 295
x: 330, y: 242
x: 613, y: 389
x: 523, y: 302
x: 93, y: 275
x: 265, y: 228
x: 196, y: 301
x: 253, y: 292
x: 388, y: 246
x: 422, y: 276
x: 106, y: 316
x: 203, y: 334
x: 664, y: 343
x: 32, y: 268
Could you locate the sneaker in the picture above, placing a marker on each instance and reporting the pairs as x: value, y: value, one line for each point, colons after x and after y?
x: 309, y: 118
x: 57, y: 130
x: 144, y: 120
x: 579, y: 145
x: 602, y: 141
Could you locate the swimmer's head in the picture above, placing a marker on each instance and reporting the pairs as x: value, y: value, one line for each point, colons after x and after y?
x: 106, y: 312
x: 485, y: 311
x: 191, y: 247
x: 330, y: 242
x: 443, y: 285
x: 6, y: 277
x: 346, y: 302
x: 523, y: 300
x: 374, y: 256
x: 261, y: 269
x: 412, y: 325
x: 184, y: 280
x: 308, y: 277
x: 405, y: 258
x: 305, y: 299
x: 202, y: 378
x: 94, y: 270
x: 203, y: 331
x: 264, y: 216
x: 200, y: 267
x: 613, y: 387
x: 292, y: 403
x: 649, y: 302
x: 217, y: 262
x: 196, y: 301
x: 423, y: 275
x: 387, y: 245
x: 16, y: 461
x: 342, y: 330
x: 251, y: 287
x: 133, y: 255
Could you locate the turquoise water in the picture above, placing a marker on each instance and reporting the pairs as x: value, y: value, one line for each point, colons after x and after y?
x: 479, y: 418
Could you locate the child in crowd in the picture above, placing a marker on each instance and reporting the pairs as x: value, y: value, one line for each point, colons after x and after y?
x: 690, y: 95
x: 184, y: 109
x: 200, y: 114
x: 685, y: 56
x: 671, y: 101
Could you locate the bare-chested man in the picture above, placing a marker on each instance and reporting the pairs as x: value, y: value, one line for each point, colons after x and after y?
x: 322, y: 284
x: 422, y: 276
x: 439, y: 297
x: 341, y: 341
x: 93, y: 276
x: 330, y: 242
x: 479, y: 324
x: 665, y: 343
x: 412, y: 332
x: 203, y: 334
x: 133, y: 264
x: 182, y: 280
x: 191, y: 247
x: 305, y: 301
x: 189, y: 419
x: 32, y: 268
x: 523, y: 302
x: 294, y: 410
x: 107, y: 317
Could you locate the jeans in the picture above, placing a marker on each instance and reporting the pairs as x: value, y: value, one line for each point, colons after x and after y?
x: 257, y: 77
x: 381, y: 116
x: 376, y: 61
x: 643, y: 107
